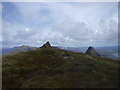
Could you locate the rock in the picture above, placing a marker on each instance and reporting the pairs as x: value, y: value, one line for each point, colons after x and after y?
x: 92, y: 52
x: 46, y: 45
x: 66, y: 55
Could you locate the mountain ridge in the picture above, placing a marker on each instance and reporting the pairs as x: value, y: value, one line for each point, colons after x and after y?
x: 108, y: 52
x: 48, y: 68
x: 17, y: 49
x: 57, y: 68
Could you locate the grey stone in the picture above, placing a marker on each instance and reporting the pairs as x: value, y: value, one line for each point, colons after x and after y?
x: 92, y: 52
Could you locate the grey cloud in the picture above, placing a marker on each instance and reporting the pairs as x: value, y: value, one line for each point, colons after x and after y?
x: 108, y: 31
x: 74, y: 30
x: 82, y: 32
x: 66, y: 28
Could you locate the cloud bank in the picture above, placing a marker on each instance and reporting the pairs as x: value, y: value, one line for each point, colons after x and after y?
x: 63, y: 24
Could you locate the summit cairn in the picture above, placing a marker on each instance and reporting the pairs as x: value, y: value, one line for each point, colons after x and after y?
x: 46, y: 45
x: 92, y: 52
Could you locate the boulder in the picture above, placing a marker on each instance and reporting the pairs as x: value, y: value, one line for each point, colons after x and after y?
x: 92, y: 52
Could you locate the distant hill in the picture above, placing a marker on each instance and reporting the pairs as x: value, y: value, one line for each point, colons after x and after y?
x: 57, y: 68
x: 14, y: 50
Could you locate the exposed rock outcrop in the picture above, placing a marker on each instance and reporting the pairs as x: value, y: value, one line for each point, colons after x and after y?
x: 92, y: 52
x: 46, y: 45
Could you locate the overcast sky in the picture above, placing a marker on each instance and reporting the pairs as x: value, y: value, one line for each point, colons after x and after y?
x: 63, y: 24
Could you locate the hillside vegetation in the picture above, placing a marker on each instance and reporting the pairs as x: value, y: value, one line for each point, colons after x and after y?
x: 56, y: 68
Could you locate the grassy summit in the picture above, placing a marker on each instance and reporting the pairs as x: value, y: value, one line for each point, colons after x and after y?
x: 56, y: 68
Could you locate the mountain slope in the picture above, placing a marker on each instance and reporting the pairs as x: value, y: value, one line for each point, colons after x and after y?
x: 50, y: 68
x: 14, y: 50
